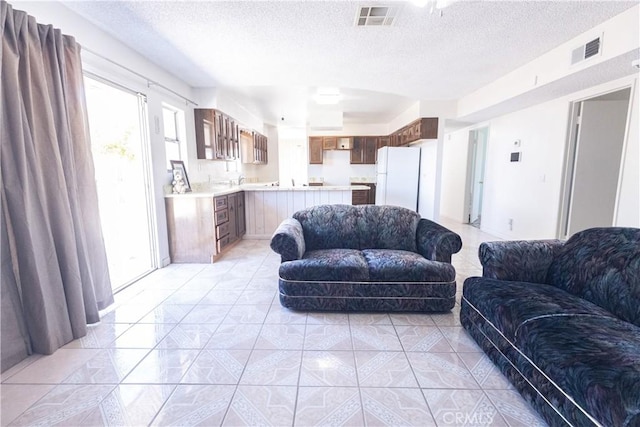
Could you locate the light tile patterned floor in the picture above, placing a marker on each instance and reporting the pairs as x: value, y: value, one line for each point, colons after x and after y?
x: 211, y: 345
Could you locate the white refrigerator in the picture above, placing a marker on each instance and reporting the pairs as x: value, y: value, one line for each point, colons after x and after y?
x: 397, y: 176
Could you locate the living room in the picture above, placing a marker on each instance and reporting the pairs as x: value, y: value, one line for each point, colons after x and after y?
x: 528, y: 109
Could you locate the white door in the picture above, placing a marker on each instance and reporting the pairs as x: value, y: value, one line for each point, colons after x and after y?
x: 599, y: 128
x: 119, y: 144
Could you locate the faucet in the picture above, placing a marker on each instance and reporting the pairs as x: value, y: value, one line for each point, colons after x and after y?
x: 241, y: 179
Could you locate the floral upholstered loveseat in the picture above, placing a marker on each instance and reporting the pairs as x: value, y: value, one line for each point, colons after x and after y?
x: 562, y: 322
x: 365, y: 258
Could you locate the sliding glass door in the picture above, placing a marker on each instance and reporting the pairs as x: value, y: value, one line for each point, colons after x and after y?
x: 119, y: 141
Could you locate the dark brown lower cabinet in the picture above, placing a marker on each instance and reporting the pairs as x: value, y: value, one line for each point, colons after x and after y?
x: 364, y: 197
x: 360, y: 197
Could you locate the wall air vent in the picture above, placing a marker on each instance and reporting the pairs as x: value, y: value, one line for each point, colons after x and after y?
x: 376, y: 16
x: 592, y: 48
x: 586, y: 51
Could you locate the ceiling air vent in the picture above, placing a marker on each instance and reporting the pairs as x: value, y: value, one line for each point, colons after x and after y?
x: 369, y: 16
x: 588, y: 50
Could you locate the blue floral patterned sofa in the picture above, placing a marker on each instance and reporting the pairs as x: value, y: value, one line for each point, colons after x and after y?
x: 562, y: 322
x: 365, y: 258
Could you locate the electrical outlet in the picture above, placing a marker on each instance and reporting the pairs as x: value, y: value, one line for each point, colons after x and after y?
x: 510, y: 224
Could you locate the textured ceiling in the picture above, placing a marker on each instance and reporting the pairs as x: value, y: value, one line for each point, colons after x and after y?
x: 276, y: 53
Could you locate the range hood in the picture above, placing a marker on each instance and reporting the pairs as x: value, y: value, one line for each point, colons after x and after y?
x: 345, y: 143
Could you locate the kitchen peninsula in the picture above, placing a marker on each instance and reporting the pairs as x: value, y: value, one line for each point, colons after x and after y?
x: 203, y: 224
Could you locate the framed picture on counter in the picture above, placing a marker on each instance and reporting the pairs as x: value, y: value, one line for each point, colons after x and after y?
x: 180, y: 179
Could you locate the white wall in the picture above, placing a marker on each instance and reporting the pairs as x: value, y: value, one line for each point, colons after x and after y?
x: 293, y: 157
x: 454, y: 175
x: 529, y: 191
x: 620, y: 35
x: 336, y: 169
x: 410, y: 114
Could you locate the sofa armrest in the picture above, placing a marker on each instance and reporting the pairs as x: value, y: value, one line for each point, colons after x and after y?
x: 436, y: 242
x: 288, y: 240
x: 518, y: 260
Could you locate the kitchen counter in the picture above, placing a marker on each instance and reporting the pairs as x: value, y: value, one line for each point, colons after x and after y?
x: 222, y: 191
x: 251, y: 187
x: 267, y: 206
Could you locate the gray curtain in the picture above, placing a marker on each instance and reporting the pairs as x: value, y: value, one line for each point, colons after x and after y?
x: 55, y: 276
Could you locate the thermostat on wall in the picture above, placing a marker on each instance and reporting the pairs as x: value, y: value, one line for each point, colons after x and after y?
x: 516, y: 156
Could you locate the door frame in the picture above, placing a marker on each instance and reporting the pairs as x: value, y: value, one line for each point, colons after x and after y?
x: 147, y: 166
x: 471, y: 168
x: 571, y: 149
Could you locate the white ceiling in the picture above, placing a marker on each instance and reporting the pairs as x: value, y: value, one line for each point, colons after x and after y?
x: 274, y: 54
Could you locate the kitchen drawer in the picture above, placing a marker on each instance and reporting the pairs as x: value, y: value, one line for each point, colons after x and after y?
x: 222, y: 243
x: 222, y: 230
x: 359, y: 197
x: 222, y: 216
x: 220, y: 202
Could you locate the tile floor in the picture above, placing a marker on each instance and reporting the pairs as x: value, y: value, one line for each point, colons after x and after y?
x: 211, y: 345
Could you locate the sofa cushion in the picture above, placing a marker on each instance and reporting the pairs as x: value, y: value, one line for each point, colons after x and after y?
x: 388, y: 227
x: 602, y: 265
x: 330, y: 227
x: 358, y: 227
x: 348, y: 265
x: 509, y: 305
x: 389, y: 265
x: 595, y: 360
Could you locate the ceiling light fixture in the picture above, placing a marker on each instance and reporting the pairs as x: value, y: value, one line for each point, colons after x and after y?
x: 327, y: 96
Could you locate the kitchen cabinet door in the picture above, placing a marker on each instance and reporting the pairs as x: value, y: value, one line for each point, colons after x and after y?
x: 315, y: 150
x: 357, y: 152
x: 254, y: 148
x: 429, y: 128
x: 372, y: 194
x: 205, y: 133
x: 234, y: 141
x: 359, y: 197
x: 233, y: 217
x: 329, y: 143
x: 370, y: 150
x: 191, y: 229
x: 241, y: 221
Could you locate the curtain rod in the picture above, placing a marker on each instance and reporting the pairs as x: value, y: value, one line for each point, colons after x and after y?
x: 149, y: 81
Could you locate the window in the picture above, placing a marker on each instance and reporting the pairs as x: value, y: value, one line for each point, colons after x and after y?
x: 170, y: 118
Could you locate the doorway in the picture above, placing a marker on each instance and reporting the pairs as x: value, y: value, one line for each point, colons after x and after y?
x: 594, y: 158
x: 119, y: 144
x: 475, y: 183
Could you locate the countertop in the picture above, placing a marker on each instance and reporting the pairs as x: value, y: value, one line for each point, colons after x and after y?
x: 222, y: 191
